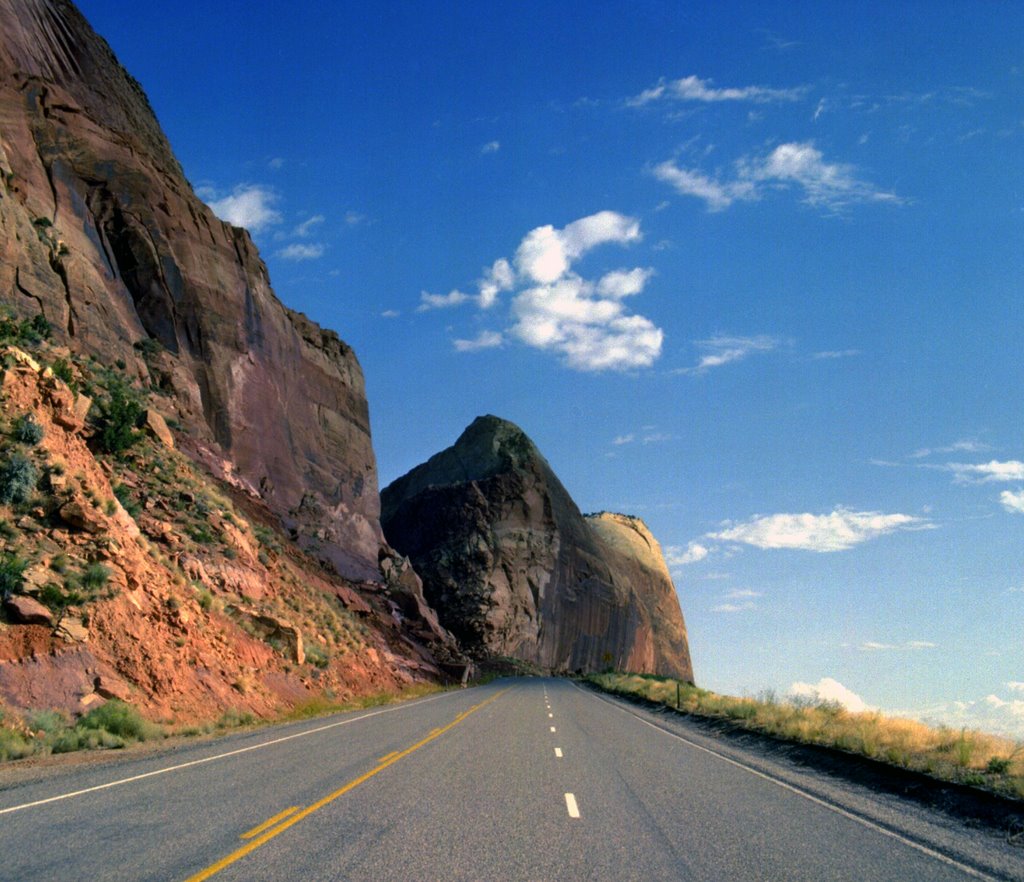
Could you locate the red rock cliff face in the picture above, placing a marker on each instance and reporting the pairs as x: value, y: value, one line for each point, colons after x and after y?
x: 101, y: 232
x: 514, y: 569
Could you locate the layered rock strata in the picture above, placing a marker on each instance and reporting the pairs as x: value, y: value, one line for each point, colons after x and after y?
x: 514, y: 569
x: 101, y: 232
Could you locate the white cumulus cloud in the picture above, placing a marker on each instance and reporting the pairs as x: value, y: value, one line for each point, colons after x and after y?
x: 676, y: 555
x: 554, y: 308
x: 1013, y: 501
x: 491, y: 147
x: 840, y: 530
x: 249, y: 206
x: 500, y: 277
x: 693, y: 88
x: 829, y: 690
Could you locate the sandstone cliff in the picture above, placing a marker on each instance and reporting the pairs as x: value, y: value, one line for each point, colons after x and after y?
x: 100, y: 232
x: 514, y: 569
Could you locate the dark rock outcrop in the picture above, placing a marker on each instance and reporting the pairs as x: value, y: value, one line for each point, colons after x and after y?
x: 100, y: 231
x: 514, y: 569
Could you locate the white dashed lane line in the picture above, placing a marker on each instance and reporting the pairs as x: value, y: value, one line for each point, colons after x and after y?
x: 552, y: 728
x: 570, y: 804
x: 558, y: 752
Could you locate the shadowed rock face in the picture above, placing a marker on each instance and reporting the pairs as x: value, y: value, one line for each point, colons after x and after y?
x: 513, y: 568
x: 101, y: 232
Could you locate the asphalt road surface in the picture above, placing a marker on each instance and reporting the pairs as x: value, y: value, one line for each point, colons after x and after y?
x: 526, y: 779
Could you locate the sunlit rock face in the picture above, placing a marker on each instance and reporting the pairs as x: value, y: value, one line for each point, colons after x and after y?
x: 101, y: 232
x: 514, y: 569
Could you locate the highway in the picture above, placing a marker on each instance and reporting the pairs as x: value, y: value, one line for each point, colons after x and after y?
x: 528, y: 779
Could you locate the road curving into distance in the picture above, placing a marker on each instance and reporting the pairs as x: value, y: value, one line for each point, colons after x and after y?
x: 532, y: 779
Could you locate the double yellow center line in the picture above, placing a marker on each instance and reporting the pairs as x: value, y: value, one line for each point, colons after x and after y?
x: 266, y: 831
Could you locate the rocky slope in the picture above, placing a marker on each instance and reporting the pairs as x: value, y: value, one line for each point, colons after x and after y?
x: 233, y: 557
x: 100, y: 231
x: 139, y: 576
x: 514, y: 569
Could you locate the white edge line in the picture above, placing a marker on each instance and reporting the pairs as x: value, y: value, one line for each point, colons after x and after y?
x: 924, y: 849
x: 570, y: 804
x: 210, y: 759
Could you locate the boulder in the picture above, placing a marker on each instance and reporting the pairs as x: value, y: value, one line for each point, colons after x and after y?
x: 82, y: 516
x: 22, y: 610
x: 155, y: 425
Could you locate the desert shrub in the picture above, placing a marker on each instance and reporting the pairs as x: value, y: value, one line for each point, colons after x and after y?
x: 128, y: 503
x: 120, y: 719
x: 95, y: 576
x: 48, y: 721
x: 27, y: 431
x: 120, y: 413
x: 316, y: 655
x: 12, y: 573
x: 999, y: 765
x: 205, y: 599
x: 13, y: 745
x: 18, y: 479
x: 233, y: 718
x: 62, y: 370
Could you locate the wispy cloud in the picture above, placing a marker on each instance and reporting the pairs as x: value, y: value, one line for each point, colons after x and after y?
x: 743, y: 594
x: 483, y: 340
x: 986, y: 472
x: 912, y: 645
x: 430, y: 301
x: 839, y: 530
x: 721, y: 350
x: 490, y: 147
x: 734, y: 607
x: 966, y: 446
x: 830, y: 354
x: 306, y: 227
x: 693, y: 88
x: 619, y: 440
x: 829, y: 185
x: 249, y: 206
x: 300, y: 251
x: 718, y: 195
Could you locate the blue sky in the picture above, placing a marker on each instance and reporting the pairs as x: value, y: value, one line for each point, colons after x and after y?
x: 752, y: 272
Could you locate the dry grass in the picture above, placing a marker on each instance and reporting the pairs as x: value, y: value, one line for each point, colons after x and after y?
x: 966, y: 756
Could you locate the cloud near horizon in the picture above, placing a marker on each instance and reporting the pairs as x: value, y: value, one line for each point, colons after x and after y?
x: 830, y: 185
x: 555, y: 309
x: 840, y: 530
x: 829, y: 690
